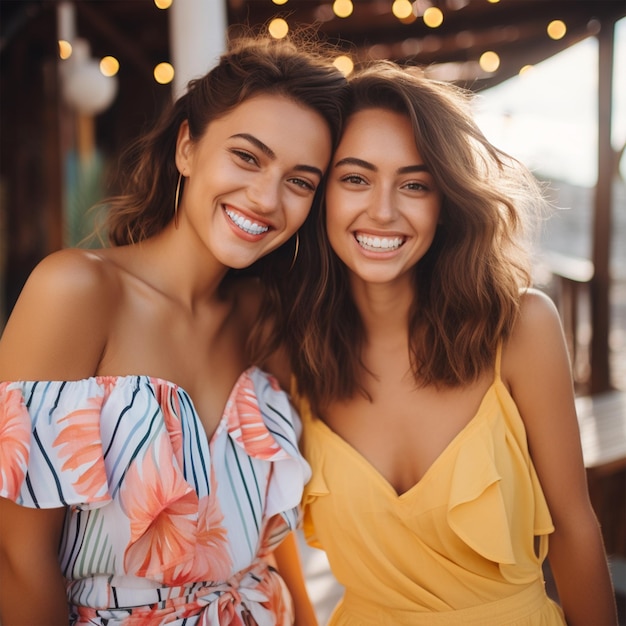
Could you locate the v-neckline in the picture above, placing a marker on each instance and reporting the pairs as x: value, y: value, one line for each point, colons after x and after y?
x: 363, y: 460
x: 222, y: 422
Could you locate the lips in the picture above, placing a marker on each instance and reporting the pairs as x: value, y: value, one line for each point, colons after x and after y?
x: 376, y: 243
x: 252, y: 227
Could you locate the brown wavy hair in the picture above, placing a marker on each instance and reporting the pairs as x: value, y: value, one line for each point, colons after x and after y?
x: 298, y: 67
x: 467, y: 287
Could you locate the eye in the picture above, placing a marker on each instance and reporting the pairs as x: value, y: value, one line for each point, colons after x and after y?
x: 246, y: 157
x: 304, y: 184
x: 353, y: 179
x: 415, y: 186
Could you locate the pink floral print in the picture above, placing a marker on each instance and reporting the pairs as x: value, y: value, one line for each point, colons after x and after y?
x: 162, y: 524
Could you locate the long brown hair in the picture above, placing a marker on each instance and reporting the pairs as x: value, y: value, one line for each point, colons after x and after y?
x: 298, y: 67
x: 466, y: 288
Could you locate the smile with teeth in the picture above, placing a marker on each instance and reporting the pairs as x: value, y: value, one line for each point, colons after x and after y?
x: 245, y: 224
x: 379, y: 244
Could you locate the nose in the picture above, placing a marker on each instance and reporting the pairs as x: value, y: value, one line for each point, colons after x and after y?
x: 264, y: 192
x: 382, y: 208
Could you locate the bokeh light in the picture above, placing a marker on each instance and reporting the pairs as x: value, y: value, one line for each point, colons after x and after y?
x: 164, y: 73
x: 109, y: 66
x: 433, y: 17
x: 489, y: 61
x: 65, y: 49
x: 343, y: 8
x: 556, y: 29
x: 344, y: 64
x: 278, y: 28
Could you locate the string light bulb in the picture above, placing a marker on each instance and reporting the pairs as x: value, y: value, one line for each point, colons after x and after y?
x: 109, y: 66
x: 402, y: 9
x: 344, y: 64
x: 489, y: 61
x: 556, y: 29
x: 65, y: 49
x: 164, y: 73
x: 343, y: 8
x: 278, y: 28
x: 433, y: 17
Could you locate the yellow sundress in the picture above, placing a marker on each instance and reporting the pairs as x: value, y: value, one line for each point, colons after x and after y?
x: 456, y: 548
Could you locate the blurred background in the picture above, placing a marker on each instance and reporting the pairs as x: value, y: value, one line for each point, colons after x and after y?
x: 79, y: 80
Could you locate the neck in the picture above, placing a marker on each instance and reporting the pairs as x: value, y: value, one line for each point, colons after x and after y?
x: 183, y: 272
x: 384, y: 308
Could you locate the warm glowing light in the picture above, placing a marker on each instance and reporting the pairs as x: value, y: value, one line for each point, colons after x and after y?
x: 493, y: 1
x: 556, y: 29
x: 109, y: 66
x: 402, y: 9
x: 278, y: 28
x: 433, y: 17
x: 527, y: 69
x: 343, y: 8
x: 279, y: 1
x: 489, y: 61
x: 164, y: 73
x: 65, y: 49
x: 344, y: 64
x: 163, y: 4
x: 410, y: 19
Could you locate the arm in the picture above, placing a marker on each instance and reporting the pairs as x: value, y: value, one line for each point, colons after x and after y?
x: 56, y: 332
x: 32, y: 592
x: 289, y: 565
x: 536, y: 367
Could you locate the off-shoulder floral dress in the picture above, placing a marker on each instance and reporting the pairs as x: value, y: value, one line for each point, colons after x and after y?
x: 163, y: 525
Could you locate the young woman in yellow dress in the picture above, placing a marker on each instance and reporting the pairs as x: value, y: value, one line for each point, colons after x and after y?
x: 434, y: 382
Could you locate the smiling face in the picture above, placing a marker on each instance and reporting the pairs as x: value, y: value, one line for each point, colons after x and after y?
x: 251, y: 178
x: 382, y: 203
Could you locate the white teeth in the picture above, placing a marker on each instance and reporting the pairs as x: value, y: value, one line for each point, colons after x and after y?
x: 379, y: 243
x: 245, y: 224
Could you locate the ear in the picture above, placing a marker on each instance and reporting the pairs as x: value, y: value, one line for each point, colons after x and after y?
x: 184, y: 146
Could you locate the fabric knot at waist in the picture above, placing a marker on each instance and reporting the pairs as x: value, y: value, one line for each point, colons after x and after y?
x: 241, y: 600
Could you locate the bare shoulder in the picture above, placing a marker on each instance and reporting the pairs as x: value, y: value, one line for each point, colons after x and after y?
x: 71, y: 281
x: 58, y: 326
x: 72, y: 269
x: 537, y: 312
x: 536, y: 341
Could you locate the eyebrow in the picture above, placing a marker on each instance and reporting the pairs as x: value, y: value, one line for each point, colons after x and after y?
x: 265, y: 149
x: 408, y: 169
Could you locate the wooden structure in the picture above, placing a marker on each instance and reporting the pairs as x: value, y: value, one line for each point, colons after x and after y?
x: 602, y: 420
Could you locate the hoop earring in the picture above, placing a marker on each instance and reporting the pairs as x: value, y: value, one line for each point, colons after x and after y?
x: 295, y: 252
x: 176, y: 198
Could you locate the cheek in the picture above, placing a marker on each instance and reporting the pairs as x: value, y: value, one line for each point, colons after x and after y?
x: 336, y: 227
x: 341, y: 205
x: 428, y: 217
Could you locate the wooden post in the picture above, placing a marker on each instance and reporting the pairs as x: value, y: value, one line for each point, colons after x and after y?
x: 600, y: 284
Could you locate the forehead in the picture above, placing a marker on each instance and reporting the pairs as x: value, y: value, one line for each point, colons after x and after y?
x: 264, y: 108
x: 379, y: 133
x: 279, y: 122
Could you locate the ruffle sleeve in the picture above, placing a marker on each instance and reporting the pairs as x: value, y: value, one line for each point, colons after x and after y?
x: 51, y: 452
x: 496, y: 523
x: 262, y: 421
